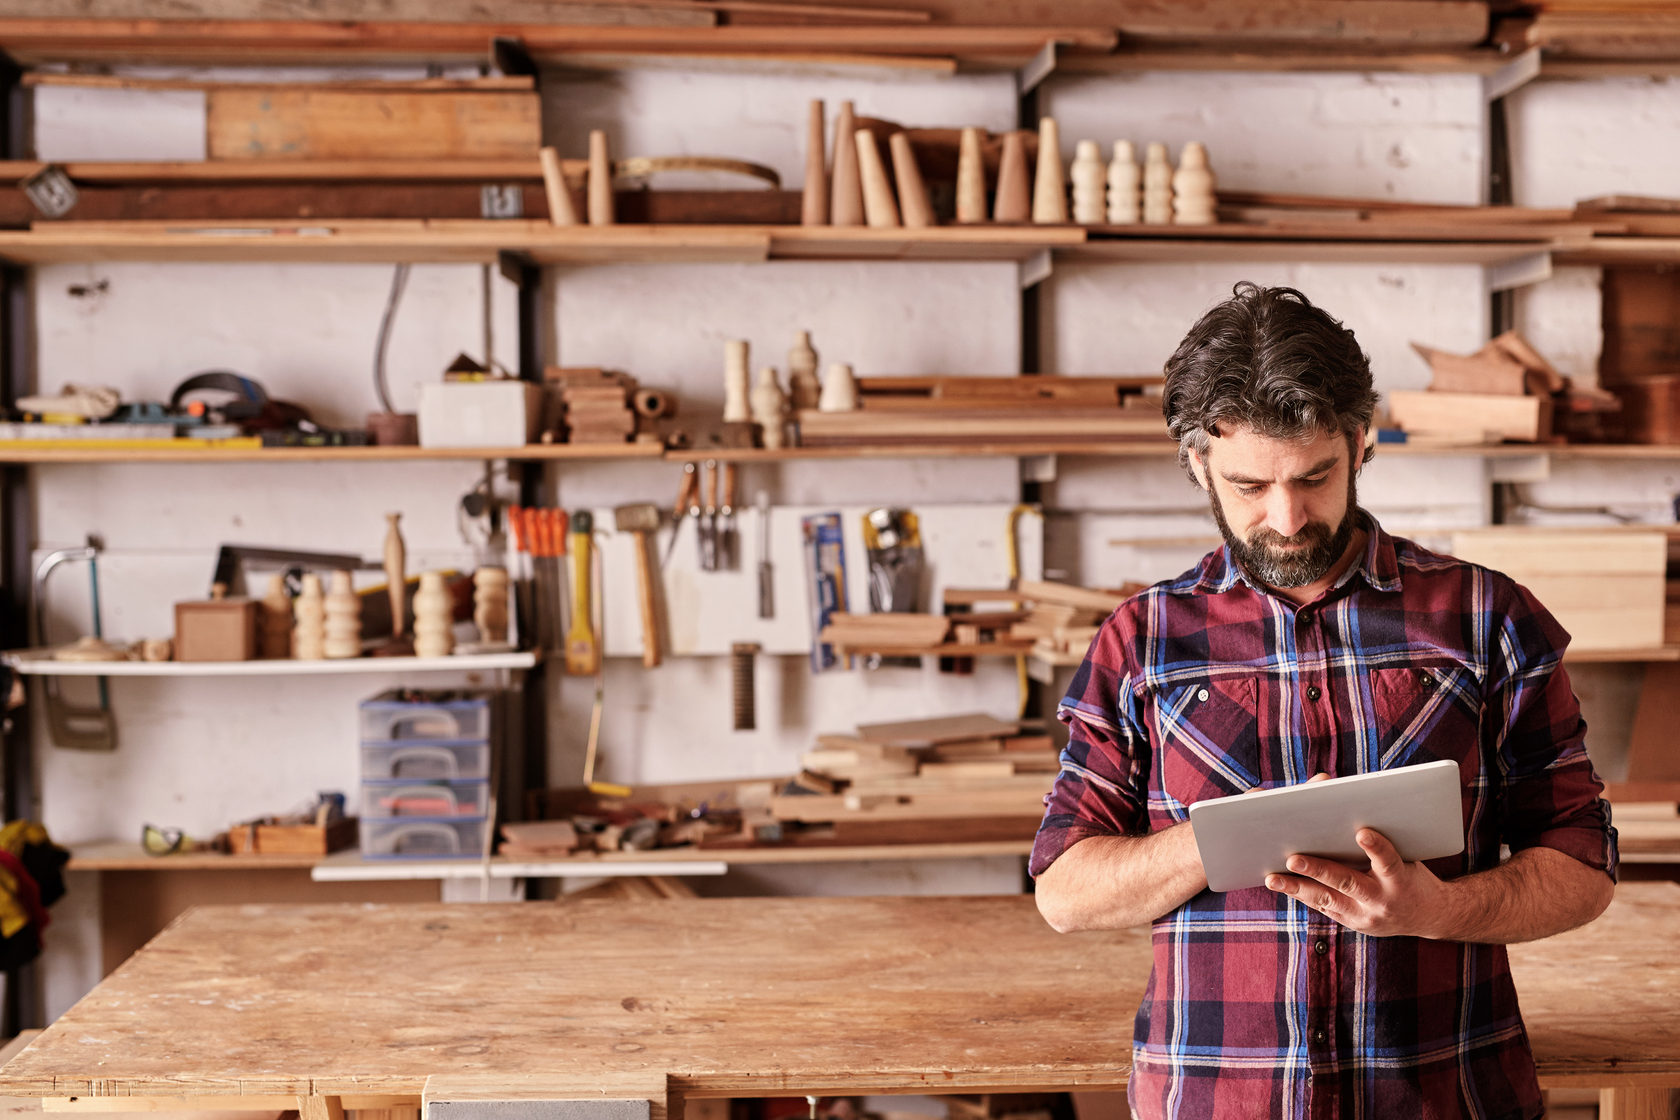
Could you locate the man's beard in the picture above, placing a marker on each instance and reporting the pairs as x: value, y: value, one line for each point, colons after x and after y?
x: 1263, y: 559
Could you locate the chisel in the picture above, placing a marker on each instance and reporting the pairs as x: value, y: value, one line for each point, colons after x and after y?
x: 766, y: 581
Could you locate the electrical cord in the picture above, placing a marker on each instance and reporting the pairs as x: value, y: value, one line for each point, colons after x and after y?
x: 399, y: 280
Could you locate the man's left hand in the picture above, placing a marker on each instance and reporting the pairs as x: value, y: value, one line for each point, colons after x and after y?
x: 1393, y: 899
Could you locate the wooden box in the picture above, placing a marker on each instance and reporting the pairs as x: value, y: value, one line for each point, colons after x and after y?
x: 258, y: 838
x: 1650, y: 410
x: 286, y: 122
x: 216, y: 630
x: 1605, y: 586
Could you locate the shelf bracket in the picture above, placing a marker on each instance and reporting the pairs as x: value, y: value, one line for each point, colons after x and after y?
x: 1520, y: 468
x: 1038, y: 68
x: 1034, y: 270
x: 1530, y: 268
x: 1512, y: 76
x: 508, y: 54
x: 1038, y: 468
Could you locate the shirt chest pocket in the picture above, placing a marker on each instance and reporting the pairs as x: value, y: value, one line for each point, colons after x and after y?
x: 1424, y: 713
x: 1207, y: 735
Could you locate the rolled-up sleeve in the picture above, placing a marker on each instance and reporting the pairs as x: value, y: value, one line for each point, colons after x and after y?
x: 1552, y: 796
x: 1101, y: 788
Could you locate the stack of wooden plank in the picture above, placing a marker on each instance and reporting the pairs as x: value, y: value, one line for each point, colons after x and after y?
x: 1641, y: 338
x: 906, y: 634
x: 996, y: 411
x: 963, y: 777
x: 596, y: 404
x: 1062, y: 618
x: 1504, y: 391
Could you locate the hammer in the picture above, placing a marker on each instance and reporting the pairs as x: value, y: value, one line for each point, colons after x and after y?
x: 640, y: 519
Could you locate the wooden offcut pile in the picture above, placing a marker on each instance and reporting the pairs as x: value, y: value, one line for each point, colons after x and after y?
x: 1504, y: 391
x: 966, y: 777
x: 593, y: 405
x: 991, y: 411
x: 908, y: 633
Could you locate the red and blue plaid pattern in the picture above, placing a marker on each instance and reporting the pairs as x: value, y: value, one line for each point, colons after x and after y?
x: 1207, y: 686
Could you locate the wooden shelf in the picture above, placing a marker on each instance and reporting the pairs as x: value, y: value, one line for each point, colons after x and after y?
x: 119, y: 855
x: 36, y: 662
x: 943, y: 649
x: 471, y: 241
x: 38, y: 452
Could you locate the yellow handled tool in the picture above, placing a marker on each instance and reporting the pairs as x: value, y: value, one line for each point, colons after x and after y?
x: 583, y: 650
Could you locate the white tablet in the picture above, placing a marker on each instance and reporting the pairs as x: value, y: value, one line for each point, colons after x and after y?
x: 1245, y: 837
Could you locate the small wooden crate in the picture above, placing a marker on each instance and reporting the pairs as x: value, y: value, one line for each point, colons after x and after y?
x: 216, y: 630
x: 257, y: 838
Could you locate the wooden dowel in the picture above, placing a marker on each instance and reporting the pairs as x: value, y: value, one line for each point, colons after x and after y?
x: 971, y: 178
x: 600, y: 180
x: 814, y: 200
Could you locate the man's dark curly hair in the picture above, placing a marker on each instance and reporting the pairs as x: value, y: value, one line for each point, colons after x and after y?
x: 1266, y: 359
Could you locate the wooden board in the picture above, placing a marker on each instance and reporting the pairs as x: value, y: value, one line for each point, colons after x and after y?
x: 727, y: 997
x: 295, y: 123
x: 943, y: 729
x: 1525, y: 419
x: 1606, y: 587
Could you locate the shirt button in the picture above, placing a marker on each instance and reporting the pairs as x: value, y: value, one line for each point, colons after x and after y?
x: 1313, y: 692
x: 1318, y: 1034
x: 1202, y: 694
x: 1321, y: 946
x: 1423, y: 678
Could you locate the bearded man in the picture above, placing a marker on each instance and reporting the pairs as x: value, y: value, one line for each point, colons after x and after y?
x: 1315, y: 643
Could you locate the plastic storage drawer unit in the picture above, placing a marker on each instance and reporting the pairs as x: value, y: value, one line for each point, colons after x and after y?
x: 404, y: 716
x: 406, y: 838
x: 425, y: 762
x: 425, y: 799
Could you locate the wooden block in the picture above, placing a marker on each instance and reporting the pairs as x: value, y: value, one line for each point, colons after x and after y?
x: 1013, y: 201
x: 1650, y: 410
x: 1651, y: 753
x: 1544, y: 376
x: 543, y: 836
x: 1049, y: 199
x: 941, y: 729
x: 600, y: 185
x: 1606, y: 587
x: 295, y: 123
x: 216, y: 630
x: 1523, y: 419
x: 969, y: 768
x: 971, y: 179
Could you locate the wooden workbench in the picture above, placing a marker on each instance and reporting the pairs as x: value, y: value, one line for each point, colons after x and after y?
x: 328, y: 1007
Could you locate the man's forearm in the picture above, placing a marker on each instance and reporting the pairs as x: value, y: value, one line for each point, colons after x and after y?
x: 1112, y: 882
x: 1534, y: 894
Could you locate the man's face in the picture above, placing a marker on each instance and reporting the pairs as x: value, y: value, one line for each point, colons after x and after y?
x: 1285, y: 507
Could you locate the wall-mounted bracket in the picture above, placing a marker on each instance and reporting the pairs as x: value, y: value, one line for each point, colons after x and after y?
x: 1036, y: 269
x: 1531, y: 268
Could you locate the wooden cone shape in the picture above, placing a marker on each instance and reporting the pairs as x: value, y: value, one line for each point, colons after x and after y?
x: 845, y: 189
x: 561, y: 212
x: 1049, y: 202
x: 913, y: 201
x: 971, y: 178
x: 878, y: 204
x: 1013, y: 202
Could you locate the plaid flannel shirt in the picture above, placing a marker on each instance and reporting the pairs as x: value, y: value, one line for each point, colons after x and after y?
x: 1209, y: 685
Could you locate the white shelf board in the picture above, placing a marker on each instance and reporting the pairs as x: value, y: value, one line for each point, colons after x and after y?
x: 39, y: 662
x: 350, y: 867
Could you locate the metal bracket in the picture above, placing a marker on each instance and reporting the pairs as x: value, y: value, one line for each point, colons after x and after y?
x: 508, y: 54
x: 1519, y: 468
x: 1038, y: 468
x: 501, y: 200
x: 1035, y: 269
x: 1530, y: 268
x: 1038, y: 68
x: 513, y: 265
x: 1512, y: 76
